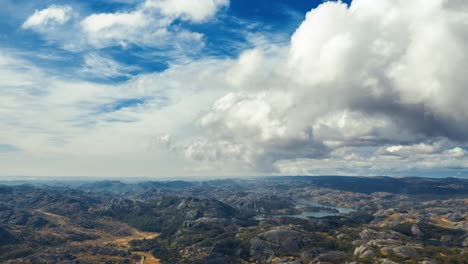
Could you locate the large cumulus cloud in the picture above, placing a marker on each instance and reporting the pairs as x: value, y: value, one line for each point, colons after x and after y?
x: 356, y: 79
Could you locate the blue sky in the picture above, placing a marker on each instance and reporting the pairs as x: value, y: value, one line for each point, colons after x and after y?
x: 232, y: 88
x: 224, y: 36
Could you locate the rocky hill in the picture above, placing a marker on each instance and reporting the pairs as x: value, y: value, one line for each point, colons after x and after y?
x: 344, y: 220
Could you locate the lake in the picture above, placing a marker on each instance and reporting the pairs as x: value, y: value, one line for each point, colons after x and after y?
x: 305, y: 214
x: 304, y: 204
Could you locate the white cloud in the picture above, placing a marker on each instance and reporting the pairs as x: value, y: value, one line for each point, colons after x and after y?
x: 60, y: 127
x: 372, y: 74
x: 106, y: 23
x: 355, y: 128
x: 245, y: 70
x: 212, y: 151
x: 415, y: 149
x: 102, y: 67
x: 456, y: 152
x: 372, y: 88
x: 355, y: 161
x: 109, y: 29
x: 195, y: 10
x: 148, y: 24
x: 249, y: 116
x: 53, y: 15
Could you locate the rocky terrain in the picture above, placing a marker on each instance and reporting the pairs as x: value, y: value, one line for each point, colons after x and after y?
x: 268, y: 220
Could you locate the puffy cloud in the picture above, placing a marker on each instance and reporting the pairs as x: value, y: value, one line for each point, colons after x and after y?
x: 456, y: 152
x: 140, y: 27
x: 246, y: 69
x: 356, y: 128
x: 371, y: 55
x: 114, y: 26
x: 248, y: 116
x: 53, y: 15
x: 372, y: 74
x: 150, y: 23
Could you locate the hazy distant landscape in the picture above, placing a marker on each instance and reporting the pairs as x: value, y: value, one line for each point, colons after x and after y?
x: 260, y: 220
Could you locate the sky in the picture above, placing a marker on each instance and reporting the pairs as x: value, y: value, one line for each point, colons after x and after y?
x: 223, y: 88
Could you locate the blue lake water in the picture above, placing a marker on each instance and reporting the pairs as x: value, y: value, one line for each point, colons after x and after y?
x: 305, y: 214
